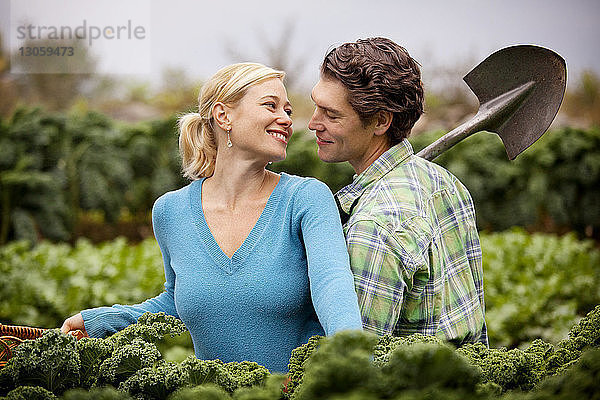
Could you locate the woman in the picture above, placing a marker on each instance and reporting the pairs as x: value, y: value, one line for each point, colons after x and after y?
x: 255, y: 262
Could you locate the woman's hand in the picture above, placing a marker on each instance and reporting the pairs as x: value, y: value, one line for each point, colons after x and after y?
x: 74, y: 324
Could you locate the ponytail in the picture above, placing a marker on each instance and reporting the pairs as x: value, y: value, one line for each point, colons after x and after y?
x: 197, y: 146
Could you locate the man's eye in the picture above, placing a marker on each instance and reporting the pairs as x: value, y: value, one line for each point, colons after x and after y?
x: 288, y: 112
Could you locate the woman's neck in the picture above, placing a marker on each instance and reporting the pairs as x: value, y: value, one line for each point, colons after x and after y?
x: 235, y: 182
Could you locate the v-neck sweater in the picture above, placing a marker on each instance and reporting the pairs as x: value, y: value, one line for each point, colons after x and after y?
x: 289, y: 280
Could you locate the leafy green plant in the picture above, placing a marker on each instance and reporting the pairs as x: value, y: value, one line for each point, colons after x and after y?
x: 43, y: 285
x: 537, y: 285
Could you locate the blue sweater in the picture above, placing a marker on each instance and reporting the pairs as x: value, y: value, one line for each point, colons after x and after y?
x: 289, y: 280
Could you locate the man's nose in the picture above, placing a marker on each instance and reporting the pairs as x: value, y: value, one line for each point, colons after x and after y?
x: 314, y: 124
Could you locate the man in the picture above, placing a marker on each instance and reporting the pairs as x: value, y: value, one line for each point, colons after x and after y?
x: 410, y: 224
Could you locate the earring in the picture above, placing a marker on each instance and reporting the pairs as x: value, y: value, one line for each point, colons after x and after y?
x: 229, y: 144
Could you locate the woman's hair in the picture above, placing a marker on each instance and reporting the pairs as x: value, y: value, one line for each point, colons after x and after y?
x: 197, y: 138
x: 379, y: 75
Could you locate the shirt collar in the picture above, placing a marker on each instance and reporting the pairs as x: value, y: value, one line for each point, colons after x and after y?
x: 385, y: 163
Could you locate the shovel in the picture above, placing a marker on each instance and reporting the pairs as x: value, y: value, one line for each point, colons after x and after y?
x: 520, y: 89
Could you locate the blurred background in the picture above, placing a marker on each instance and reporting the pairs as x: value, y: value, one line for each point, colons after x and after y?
x: 84, y: 155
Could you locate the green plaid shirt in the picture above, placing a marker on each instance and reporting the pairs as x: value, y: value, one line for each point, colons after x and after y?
x: 414, y: 249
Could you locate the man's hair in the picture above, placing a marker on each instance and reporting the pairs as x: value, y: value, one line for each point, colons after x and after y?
x: 379, y: 75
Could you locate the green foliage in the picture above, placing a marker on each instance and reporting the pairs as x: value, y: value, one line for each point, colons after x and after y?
x: 584, y: 335
x: 553, y: 185
x: 510, y: 369
x: 348, y: 365
x: 126, y: 360
x: 92, y: 352
x: 388, y: 343
x: 271, y: 389
x: 150, y: 327
x: 30, y: 393
x: 554, y: 279
x: 154, y: 382
x: 203, y: 392
x: 425, y: 366
x: 298, y: 360
x: 580, y: 381
x: 102, y: 393
x: 230, y: 376
x: 51, y: 362
x: 343, y: 367
x: 54, y: 166
x: 341, y: 364
x: 42, y: 285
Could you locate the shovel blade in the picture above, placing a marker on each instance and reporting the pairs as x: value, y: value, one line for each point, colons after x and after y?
x: 511, y: 68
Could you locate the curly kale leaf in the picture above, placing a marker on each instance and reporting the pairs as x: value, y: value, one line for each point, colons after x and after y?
x: 150, y: 327
x: 126, y: 361
x: 30, y: 393
x: 511, y: 369
x: 51, y: 361
x: 207, y: 391
x: 271, y: 389
x: 296, y: 364
x: 585, y: 334
x: 156, y: 382
x: 388, y: 343
x: 579, y: 381
x: 427, y: 366
x: 199, y: 372
x: 341, y: 364
x: 92, y: 352
x: 247, y: 373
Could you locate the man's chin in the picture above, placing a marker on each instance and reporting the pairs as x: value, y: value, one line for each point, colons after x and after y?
x: 328, y: 157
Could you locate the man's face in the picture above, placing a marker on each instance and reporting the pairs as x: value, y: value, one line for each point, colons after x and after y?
x: 341, y: 135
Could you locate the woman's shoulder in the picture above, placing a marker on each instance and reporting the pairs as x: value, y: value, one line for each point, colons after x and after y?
x: 304, y: 183
x: 307, y: 190
x: 175, y: 197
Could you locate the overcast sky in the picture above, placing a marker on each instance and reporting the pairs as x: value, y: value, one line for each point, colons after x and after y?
x: 199, y: 36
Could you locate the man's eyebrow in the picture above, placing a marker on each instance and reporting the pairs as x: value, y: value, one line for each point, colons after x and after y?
x: 328, y: 109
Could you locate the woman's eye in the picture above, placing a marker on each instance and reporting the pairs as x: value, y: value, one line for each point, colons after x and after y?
x: 288, y: 112
x: 270, y: 105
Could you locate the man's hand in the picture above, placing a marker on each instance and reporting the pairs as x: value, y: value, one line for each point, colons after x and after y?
x: 74, y: 324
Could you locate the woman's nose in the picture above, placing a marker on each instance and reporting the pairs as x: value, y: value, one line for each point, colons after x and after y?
x: 285, y: 119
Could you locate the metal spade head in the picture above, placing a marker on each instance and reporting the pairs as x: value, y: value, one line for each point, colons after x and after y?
x: 537, y: 75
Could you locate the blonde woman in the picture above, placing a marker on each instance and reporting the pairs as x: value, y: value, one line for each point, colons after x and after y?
x: 255, y: 262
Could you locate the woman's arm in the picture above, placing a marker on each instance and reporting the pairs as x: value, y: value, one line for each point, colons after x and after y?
x: 331, y: 281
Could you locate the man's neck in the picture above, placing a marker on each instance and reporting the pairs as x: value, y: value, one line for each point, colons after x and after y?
x: 373, y: 153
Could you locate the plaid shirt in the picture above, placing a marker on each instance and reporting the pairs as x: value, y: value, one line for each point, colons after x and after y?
x: 414, y: 249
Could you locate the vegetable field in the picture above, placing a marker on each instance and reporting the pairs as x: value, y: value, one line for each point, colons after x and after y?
x: 539, y: 288
x: 351, y: 364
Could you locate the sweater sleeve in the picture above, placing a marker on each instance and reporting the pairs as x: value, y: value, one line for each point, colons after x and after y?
x: 331, y: 281
x: 104, y: 321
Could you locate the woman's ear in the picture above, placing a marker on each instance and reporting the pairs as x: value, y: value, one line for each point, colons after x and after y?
x: 382, y: 121
x: 220, y: 115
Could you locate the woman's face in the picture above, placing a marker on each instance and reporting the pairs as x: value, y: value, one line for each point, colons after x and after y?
x: 260, y: 121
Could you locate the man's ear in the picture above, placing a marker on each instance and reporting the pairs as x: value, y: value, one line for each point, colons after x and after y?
x: 382, y: 121
x: 221, y: 116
